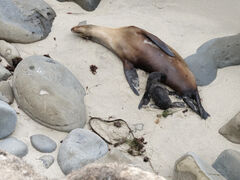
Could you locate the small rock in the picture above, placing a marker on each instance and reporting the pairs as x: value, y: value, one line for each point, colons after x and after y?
x: 6, y: 93
x: 49, y: 93
x: 43, y: 143
x: 228, y: 163
x: 25, y: 21
x: 190, y: 167
x: 14, y: 168
x: 80, y: 148
x: 88, y: 5
x: 114, y: 171
x: 47, y: 160
x: 231, y: 130
x: 4, y: 73
x: 8, y: 120
x: 14, y: 146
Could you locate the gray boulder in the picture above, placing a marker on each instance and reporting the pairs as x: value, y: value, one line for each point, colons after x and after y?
x: 49, y: 93
x: 80, y: 148
x: 25, y: 21
x: 4, y: 73
x: 14, y: 168
x: 47, y: 160
x: 228, y: 164
x: 216, y: 53
x: 14, y: 146
x: 190, y: 167
x: 112, y: 171
x: 6, y: 93
x: 43, y: 143
x: 8, y: 120
x: 231, y: 130
x: 88, y: 5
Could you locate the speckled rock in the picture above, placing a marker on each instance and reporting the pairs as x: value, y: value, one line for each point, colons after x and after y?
x: 112, y: 171
x: 8, y: 120
x: 47, y: 160
x: 4, y: 73
x: 49, y: 93
x: 43, y: 143
x: 215, y: 53
x: 25, y: 21
x: 231, y: 130
x: 80, y: 148
x: 228, y: 164
x: 88, y: 5
x: 190, y: 167
x: 14, y: 168
x: 14, y: 146
x: 6, y: 93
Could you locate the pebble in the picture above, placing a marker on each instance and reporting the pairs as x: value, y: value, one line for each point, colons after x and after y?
x: 4, y: 73
x: 43, y: 143
x: 14, y: 146
x: 88, y: 5
x: 47, y: 160
x: 6, y: 93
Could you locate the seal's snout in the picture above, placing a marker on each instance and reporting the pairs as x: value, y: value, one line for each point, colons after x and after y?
x: 75, y: 29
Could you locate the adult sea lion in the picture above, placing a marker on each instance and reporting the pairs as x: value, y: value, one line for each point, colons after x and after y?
x: 138, y: 48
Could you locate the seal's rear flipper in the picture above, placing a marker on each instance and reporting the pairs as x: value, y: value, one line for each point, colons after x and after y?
x: 131, y: 76
x: 202, y: 111
x: 145, y: 100
x: 159, y: 43
x: 190, y: 103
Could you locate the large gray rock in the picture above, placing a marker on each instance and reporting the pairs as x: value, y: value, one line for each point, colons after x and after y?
x: 88, y: 5
x: 112, y: 171
x: 4, y: 73
x: 80, y: 148
x: 8, y: 119
x: 228, y: 164
x: 6, y: 93
x: 49, y: 93
x: 190, y: 167
x: 14, y: 168
x: 25, y: 21
x: 231, y: 130
x: 216, y: 53
x: 43, y: 143
x: 14, y: 146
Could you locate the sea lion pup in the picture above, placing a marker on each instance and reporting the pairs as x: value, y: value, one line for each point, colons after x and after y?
x: 138, y: 48
x: 158, y: 93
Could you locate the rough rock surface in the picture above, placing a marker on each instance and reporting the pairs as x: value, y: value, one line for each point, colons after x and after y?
x: 8, y: 119
x: 49, y: 93
x: 43, y: 143
x: 190, y: 167
x: 14, y: 146
x: 113, y: 171
x: 216, y: 53
x: 4, y: 73
x: 13, y: 168
x: 231, y: 130
x: 88, y: 5
x: 6, y: 93
x: 80, y: 148
x: 228, y: 163
x: 47, y: 160
x: 25, y: 21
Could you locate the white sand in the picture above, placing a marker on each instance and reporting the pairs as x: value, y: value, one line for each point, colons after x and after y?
x: 185, y: 25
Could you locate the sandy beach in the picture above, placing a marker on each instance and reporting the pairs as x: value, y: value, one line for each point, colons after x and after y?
x: 185, y: 25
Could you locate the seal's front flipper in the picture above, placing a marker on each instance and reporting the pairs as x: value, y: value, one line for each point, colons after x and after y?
x: 131, y: 76
x: 178, y: 105
x: 159, y: 43
x: 145, y: 100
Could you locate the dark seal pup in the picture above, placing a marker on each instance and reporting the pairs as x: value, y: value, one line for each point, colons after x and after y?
x: 158, y: 93
x: 138, y: 48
